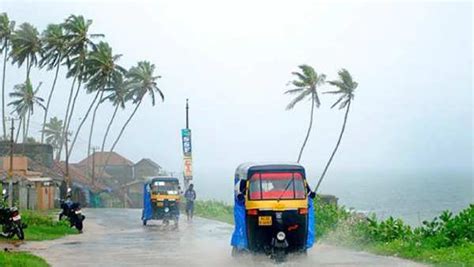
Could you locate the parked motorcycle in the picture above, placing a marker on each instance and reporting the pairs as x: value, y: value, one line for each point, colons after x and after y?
x: 10, y: 219
x: 72, y: 211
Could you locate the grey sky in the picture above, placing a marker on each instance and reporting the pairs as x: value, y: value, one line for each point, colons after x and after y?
x: 413, y: 63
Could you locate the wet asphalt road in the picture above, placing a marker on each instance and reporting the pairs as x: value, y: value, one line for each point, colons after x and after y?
x: 116, y: 237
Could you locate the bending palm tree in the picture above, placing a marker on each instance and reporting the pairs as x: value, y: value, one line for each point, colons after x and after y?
x: 6, y: 29
x: 79, y: 41
x: 24, y: 101
x: 142, y: 82
x: 306, y: 85
x: 346, y: 87
x: 102, y: 68
x: 26, y: 46
x: 54, y: 51
x: 53, y: 131
x: 118, y: 96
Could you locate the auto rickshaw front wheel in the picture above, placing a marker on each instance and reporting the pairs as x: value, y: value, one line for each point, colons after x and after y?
x: 236, y: 252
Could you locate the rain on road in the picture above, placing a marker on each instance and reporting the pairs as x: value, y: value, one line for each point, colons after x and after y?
x: 116, y: 237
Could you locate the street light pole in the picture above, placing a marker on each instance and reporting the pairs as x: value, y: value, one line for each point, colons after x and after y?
x: 187, y: 114
x: 68, y: 180
x: 10, y: 170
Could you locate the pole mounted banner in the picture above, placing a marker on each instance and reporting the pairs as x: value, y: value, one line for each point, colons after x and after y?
x: 187, y: 149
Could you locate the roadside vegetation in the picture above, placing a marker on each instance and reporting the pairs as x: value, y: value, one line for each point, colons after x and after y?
x: 446, y: 240
x: 42, y: 226
x: 20, y: 259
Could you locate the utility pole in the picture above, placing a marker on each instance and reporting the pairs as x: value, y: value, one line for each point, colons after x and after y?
x: 68, y: 180
x: 187, y: 114
x: 10, y: 170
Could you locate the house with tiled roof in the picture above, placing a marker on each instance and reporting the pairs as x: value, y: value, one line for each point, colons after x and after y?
x: 111, y: 168
x: 146, y: 168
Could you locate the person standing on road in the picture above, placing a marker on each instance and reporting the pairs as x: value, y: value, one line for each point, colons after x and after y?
x: 190, y: 196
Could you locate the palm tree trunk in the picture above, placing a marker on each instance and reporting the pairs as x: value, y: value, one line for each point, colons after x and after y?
x: 125, y: 125
x: 309, y: 128
x: 66, y: 116
x: 18, y: 130
x: 91, y: 131
x: 5, y: 45
x: 74, y: 101
x: 27, y: 68
x: 24, y: 128
x: 108, y: 128
x: 49, y: 101
x: 27, y: 126
x: 119, y: 136
x: 82, y: 122
x: 335, y: 148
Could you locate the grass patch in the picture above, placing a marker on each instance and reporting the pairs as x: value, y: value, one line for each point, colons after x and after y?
x: 215, y: 210
x: 21, y: 259
x: 42, y: 226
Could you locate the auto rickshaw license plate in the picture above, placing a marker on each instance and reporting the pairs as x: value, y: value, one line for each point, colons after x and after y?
x: 265, y: 220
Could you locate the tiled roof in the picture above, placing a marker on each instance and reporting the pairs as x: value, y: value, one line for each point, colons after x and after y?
x: 106, y: 158
x: 149, y: 161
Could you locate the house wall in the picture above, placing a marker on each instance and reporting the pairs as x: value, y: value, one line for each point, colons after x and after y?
x: 122, y: 173
x: 145, y: 169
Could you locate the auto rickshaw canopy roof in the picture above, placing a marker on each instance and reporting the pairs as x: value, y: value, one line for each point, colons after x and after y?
x: 243, y: 170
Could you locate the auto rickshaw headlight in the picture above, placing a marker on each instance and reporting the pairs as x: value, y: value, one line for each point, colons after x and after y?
x: 281, y: 236
x: 167, y: 209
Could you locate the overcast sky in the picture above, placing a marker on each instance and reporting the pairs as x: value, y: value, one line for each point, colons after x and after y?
x: 413, y: 62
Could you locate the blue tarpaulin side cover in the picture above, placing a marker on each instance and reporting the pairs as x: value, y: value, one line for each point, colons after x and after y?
x: 147, y: 209
x: 239, y: 237
x: 311, y: 224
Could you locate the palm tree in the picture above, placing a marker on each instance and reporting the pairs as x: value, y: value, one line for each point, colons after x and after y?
x: 53, y: 131
x: 24, y: 101
x: 54, y: 47
x: 100, y: 69
x: 6, y: 29
x: 79, y: 42
x: 118, y: 96
x: 26, y: 46
x: 306, y: 84
x: 345, y: 88
x: 142, y: 82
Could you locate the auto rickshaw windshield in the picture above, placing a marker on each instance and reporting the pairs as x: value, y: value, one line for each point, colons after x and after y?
x: 276, y: 185
x: 165, y: 187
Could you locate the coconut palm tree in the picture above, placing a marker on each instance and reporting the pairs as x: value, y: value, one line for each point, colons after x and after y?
x: 306, y: 84
x: 26, y: 47
x: 79, y: 43
x: 119, y: 95
x: 53, y: 131
x: 142, y: 82
x: 24, y: 100
x: 6, y: 30
x: 54, y: 47
x: 100, y: 69
x: 345, y: 88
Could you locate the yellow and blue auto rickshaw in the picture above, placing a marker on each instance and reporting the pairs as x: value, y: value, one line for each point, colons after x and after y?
x: 273, y: 210
x: 161, y: 196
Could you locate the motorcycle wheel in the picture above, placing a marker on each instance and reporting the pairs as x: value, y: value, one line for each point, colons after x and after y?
x: 19, y: 232
x: 79, y: 225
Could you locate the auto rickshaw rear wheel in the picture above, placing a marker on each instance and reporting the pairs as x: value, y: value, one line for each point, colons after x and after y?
x: 144, y: 222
